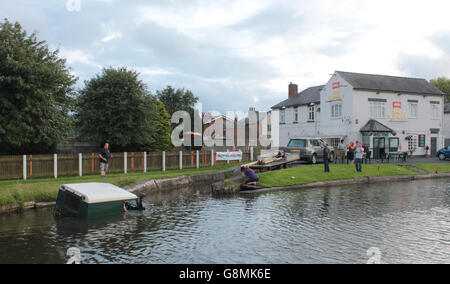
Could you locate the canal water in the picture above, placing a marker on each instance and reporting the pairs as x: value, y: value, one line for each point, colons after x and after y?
x: 406, y: 222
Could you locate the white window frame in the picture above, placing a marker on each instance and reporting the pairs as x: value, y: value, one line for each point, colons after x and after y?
x: 336, y: 110
x: 413, y: 110
x: 413, y: 143
x: 435, y: 111
x: 283, y: 116
x: 377, y: 109
x: 296, y: 115
x: 312, y: 113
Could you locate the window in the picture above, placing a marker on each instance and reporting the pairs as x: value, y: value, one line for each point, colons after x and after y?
x: 412, y: 143
x: 413, y: 108
x: 315, y: 143
x: 312, y: 112
x: 298, y: 143
x: 283, y: 116
x: 336, y: 111
x: 434, y: 111
x: 295, y: 114
x: 334, y: 142
x: 377, y: 109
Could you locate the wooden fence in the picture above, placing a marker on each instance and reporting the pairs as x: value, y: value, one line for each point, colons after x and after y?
x: 44, y: 166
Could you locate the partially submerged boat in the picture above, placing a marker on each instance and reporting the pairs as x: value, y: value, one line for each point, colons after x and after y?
x: 93, y: 200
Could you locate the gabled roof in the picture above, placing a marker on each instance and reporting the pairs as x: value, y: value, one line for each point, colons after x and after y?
x: 383, y: 83
x: 375, y: 126
x: 306, y: 97
x: 447, y: 108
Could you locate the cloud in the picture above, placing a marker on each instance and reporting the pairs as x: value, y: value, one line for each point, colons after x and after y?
x: 234, y: 54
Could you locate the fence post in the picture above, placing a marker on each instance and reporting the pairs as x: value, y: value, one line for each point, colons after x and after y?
x: 55, y: 165
x: 251, y: 154
x: 145, y: 162
x: 212, y: 158
x: 198, y: 159
x: 164, y: 161
x: 80, y: 165
x: 25, y: 167
x: 125, y: 162
x: 181, y: 160
x: 228, y: 156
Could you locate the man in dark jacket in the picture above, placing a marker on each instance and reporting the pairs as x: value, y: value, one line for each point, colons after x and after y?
x: 326, y: 153
x: 104, y: 156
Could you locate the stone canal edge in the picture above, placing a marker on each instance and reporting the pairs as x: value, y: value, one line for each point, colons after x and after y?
x: 170, y: 184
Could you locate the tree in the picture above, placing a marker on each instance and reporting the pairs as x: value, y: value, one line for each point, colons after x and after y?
x: 442, y: 84
x: 177, y: 100
x: 163, y: 128
x: 116, y: 107
x: 36, y: 93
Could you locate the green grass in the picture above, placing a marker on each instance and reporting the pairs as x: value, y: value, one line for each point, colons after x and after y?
x: 431, y: 168
x: 46, y: 190
x: 315, y: 173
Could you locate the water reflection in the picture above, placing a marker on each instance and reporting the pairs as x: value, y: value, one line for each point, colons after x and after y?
x: 408, y: 222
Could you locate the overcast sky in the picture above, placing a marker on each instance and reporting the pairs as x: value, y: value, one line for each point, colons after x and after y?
x: 238, y: 54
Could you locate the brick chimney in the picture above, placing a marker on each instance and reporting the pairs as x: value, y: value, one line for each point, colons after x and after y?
x: 293, y: 90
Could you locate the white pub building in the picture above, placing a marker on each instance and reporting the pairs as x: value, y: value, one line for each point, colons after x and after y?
x: 386, y: 113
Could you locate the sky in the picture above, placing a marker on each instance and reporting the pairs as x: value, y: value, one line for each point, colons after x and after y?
x: 236, y: 54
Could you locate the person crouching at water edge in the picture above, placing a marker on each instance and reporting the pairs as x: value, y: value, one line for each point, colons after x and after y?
x: 104, y: 155
x: 252, y: 177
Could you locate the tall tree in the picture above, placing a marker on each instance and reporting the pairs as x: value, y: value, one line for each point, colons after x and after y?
x: 443, y: 84
x: 161, y: 135
x: 115, y: 106
x: 177, y: 100
x: 36, y: 93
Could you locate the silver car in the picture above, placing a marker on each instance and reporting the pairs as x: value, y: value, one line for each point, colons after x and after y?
x: 309, y: 149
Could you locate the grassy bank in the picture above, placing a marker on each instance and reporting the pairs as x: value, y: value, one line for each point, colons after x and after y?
x: 315, y: 173
x: 46, y: 190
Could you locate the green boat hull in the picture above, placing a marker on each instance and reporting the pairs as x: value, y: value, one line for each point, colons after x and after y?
x: 70, y: 205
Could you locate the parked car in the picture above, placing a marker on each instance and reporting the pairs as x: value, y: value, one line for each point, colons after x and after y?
x: 444, y: 153
x: 309, y: 149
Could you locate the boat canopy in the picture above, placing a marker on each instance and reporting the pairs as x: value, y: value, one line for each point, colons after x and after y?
x: 98, y: 192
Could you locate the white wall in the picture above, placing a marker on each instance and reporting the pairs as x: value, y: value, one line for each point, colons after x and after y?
x: 290, y: 129
x: 404, y: 127
x: 446, y: 131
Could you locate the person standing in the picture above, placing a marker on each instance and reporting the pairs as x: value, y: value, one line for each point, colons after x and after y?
x: 104, y: 155
x: 359, y: 153
x: 351, y: 153
x: 326, y: 153
x: 341, y: 151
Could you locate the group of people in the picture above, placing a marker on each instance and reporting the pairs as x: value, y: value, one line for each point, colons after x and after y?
x: 354, y: 153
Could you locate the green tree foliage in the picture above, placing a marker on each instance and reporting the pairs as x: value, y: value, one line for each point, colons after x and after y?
x: 36, y: 93
x: 163, y: 128
x: 442, y: 84
x: 116, y: 107
x: 177, y: 100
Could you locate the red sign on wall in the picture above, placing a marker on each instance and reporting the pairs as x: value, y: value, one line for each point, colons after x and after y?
x: 397, y: 104
x: 336, y: 85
